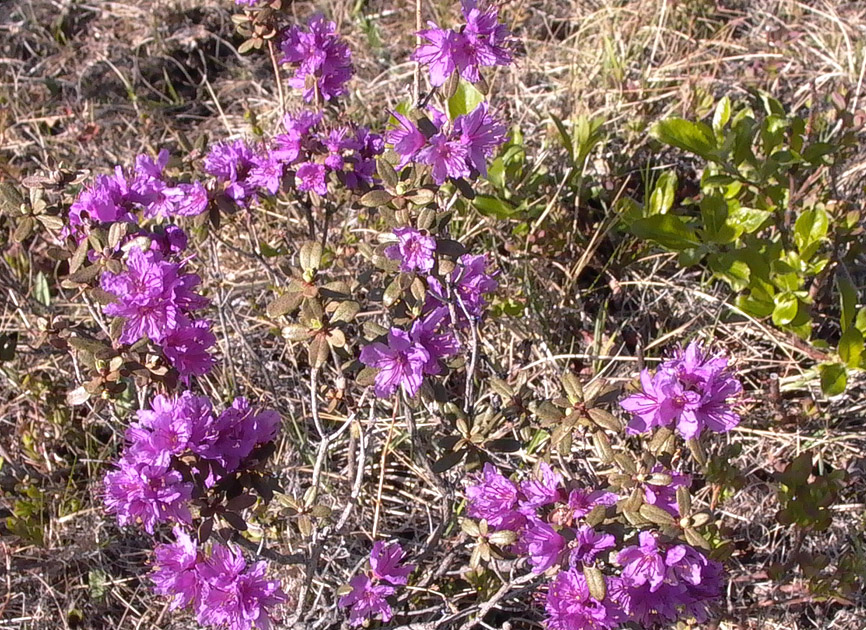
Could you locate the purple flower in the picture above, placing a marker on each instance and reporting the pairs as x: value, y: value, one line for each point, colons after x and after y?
x: 160, y: 432
x: 473, y: 282
x: 187, y: 200
x: 644, y: 606
x: 481, y: 42
x: 174, y: 572
x: 401, y: 363
x: 694, y: 366
x: 650, y: 406
x: 447, y: 157
x: 231, y: 163
x: 238, y: 430
x: 324, y: 61
x: 587, y: 544
x: 266, y: 173
x: 107, y: 200
x: 691, y: 390
x: 438, y: 53
x: 427, y: 332
x: 311, y: 176
x: 187, y: 346
x: 581, y: 502
x: 541, y: 489
x: 289, y: 146
x: 569, y: 605
x: 543, y: 546
x: 643, y: 564
x: 691, y: 583
x: 494, y: 498
x: 414, y: 249
x: 360, y: 165
x: 234, y: 595
x: 169, y: 241
x: 152, y: 296
x: 701, y: 578
x: 405, y: 138
x: 481, y: 134
x: 367, y: 600
x: 384, y: 563
x: 139, y: 492
x: 487, y: 36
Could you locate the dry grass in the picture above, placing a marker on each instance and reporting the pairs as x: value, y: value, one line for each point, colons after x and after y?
x: 91, y: 84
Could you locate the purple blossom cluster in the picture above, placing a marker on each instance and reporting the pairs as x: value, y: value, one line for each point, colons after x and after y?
x: 322, y: 60
x: 219, y: 586
x: 305, y: 154
x: 369, y: 591
x: 691, y: 391
x: 153, y: 294
x: 657, y: 582
x: 482, y: 42
x: 408, y: 357
x: 121, y: 197
x: 148, y: 486
x: 156, y: 299
x: 455, y: 150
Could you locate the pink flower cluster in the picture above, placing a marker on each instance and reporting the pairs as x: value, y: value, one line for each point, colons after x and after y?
x: 481, y: 42
x: 322, y: 61
x: 657, y: 582
x: 409, y: 356
x: 156, y: 300
x: 369, y: 591
x: 219, y: 586
x: 150, y: 486
x: 178, y: 449
x: 691, y: 391
x: 122, y: 196
x: 455, y: 150
x: 302, y: 157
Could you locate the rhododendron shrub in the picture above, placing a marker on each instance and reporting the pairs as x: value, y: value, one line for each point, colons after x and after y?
x: 381, y: 299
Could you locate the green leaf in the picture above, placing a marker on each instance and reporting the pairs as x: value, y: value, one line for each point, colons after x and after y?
x: 310, y: 256
x: 714, y: 212
x: 376, y: 198
x: 785, y: 309
x: 41, y: 291
x: 494, y: 207
x: 847, y: 299
x: 662, y: 198
x: 834, y: 378
x: 465, y: 99
x: 690, y: 136
x: 496, y: 173
x: 815, y: 153
x: 811, y: 227
x: 564, y: 136
x: 747, y: 219
x: 722, y: 114
x: 851, y: 347
x: 667, y: 230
